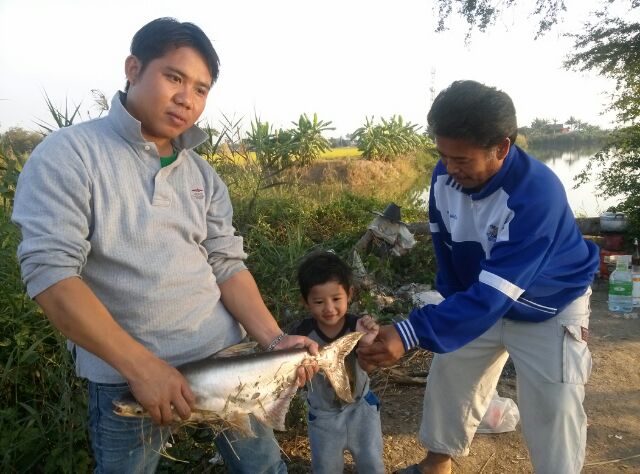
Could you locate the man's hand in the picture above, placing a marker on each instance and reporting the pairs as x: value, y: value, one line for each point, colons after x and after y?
x: 161, y: 387
x: 306, y: 371
x: 384, y: 351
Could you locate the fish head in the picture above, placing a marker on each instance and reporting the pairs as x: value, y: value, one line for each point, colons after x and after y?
x: 129, y: 407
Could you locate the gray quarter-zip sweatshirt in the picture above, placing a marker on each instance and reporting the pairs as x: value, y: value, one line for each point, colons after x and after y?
x: 152, y: 243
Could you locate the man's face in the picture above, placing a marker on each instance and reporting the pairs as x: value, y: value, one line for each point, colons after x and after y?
x: 471, y: 166
x: 169, y: 95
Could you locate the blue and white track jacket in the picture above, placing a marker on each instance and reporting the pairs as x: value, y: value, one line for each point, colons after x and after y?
x: 512, y: 250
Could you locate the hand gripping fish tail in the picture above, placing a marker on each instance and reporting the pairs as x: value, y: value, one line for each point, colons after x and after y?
x: 262, y: 384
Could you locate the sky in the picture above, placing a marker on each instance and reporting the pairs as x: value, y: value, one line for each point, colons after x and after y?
x: 342, y: 59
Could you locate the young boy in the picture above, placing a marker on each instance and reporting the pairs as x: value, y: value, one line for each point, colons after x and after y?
x: 325, y: 285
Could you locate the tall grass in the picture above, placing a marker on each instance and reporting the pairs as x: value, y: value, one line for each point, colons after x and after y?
x: 43, y: 406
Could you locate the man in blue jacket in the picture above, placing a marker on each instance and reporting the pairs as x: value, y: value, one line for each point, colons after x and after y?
x: 515, y: 273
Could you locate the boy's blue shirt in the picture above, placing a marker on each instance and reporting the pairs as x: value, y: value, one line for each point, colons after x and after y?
x: 512, y: 250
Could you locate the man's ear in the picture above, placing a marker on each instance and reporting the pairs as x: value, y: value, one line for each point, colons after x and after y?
x: 503, y: 149
x: 132, y: 68
x: 350, y: 294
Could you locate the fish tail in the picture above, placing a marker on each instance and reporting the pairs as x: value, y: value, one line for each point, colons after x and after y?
x: 333, y: 356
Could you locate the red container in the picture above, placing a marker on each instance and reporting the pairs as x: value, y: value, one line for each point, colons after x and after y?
x: 613, y: 241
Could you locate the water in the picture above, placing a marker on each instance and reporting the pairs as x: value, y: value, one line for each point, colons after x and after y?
x: 566, y: 165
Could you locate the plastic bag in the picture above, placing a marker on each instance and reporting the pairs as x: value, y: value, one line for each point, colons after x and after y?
x: 501, y: 416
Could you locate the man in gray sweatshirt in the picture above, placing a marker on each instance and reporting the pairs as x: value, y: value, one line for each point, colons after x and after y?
x: 128, y: 247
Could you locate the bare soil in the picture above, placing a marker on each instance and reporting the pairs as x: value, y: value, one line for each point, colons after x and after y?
x: 612, y: 404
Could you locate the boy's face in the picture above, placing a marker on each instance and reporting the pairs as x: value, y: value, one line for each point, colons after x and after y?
x: 169, y: 94
x: 328, y: 304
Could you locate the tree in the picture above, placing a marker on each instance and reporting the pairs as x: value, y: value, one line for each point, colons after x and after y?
x: 307, y: 140
x: 389, y: 139
x: 612, y: 48
x: 20, y: 140
x: 483, y: 13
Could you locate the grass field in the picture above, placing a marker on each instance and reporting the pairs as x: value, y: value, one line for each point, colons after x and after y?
x: 343, y: 152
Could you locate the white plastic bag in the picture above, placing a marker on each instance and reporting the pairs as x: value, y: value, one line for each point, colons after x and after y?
x: 501, y: 416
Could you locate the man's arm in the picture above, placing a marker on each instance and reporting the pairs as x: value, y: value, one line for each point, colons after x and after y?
x: 241, y: 297
x: 75, y: 310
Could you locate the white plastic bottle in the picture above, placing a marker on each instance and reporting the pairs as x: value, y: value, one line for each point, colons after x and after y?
x: 621, y: 286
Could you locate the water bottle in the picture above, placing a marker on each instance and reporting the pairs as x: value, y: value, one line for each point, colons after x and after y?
x: 621, y: 286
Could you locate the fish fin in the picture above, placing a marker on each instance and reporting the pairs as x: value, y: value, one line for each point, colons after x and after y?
x: 336, y: 371
x: 275, y: 412
x: 236, y: 350
x: 240, y: 422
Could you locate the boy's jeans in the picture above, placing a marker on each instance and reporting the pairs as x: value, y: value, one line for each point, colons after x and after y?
x: 133, y: 445
x: 355, y: 428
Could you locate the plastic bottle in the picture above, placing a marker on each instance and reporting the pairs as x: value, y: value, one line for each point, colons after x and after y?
x: 621, y: 286
x: 635, y: 274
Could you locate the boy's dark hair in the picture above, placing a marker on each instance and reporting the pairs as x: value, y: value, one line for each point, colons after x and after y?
x: 322, y: 267
x: 470, y: 110
x: 154, y: 39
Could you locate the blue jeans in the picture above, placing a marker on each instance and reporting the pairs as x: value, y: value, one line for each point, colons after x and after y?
x: 133, y: 445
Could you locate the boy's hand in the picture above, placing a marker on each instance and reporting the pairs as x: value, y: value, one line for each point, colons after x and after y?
x: 367, y: 325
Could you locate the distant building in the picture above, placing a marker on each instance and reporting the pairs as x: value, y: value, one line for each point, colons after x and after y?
x: 556, y: 128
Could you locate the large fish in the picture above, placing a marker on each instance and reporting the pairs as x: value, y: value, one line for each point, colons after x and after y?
x: 228, y: 389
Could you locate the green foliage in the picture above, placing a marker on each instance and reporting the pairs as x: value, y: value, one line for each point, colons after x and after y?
x: 483, y: 13
x: 21, y: 141
x: 307, y: 140
x: 259, y: 159
x: 42, y: 403
x: 617, y: 170
x: 61, y: 118
x: 388, y: 140
x: 610, y: 47
x: 211, y: 145
x: 10, y: 168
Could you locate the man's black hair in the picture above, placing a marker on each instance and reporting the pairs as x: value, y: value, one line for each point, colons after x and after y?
x: 154, y: 39
x: 323, y: 267
x: 469, y: 110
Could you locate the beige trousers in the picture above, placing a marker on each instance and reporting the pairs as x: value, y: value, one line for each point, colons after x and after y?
x: 552, y: 363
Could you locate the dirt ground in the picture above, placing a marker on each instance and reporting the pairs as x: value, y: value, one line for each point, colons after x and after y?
x: 612, y: 404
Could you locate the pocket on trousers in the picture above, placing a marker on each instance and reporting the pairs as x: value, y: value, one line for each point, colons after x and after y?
x: 372, y: 400
x: 576, y: 356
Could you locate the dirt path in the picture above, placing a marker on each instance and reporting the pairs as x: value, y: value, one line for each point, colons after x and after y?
x: 612, y: 404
